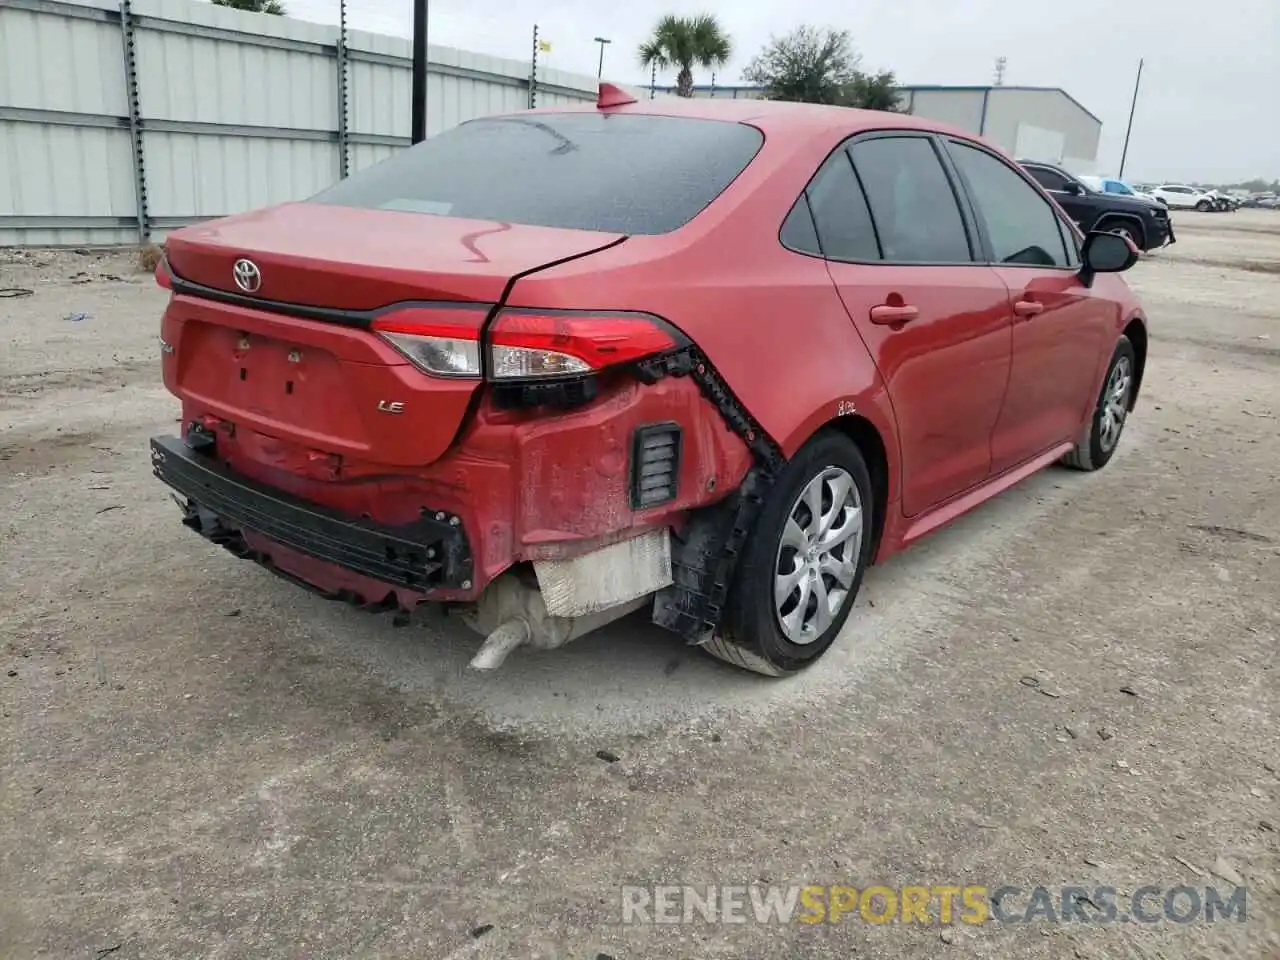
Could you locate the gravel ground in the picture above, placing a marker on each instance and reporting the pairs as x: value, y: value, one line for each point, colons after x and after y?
x: 1076, y: 684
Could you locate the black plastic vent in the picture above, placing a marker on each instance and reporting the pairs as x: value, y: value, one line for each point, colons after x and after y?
x: 655, y: 464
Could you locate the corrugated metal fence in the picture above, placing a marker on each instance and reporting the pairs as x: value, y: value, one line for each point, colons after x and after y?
x: 121, y: 121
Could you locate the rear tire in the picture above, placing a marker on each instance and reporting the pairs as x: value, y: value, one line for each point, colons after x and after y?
x: 803, y: 563
x: 1101, y: 437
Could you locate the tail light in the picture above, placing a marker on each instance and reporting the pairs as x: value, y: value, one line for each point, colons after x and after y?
x: 528, y: 344
x: 443, y: 341
x: 523, y: 345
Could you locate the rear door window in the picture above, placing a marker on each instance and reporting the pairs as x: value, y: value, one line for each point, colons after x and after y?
x: 585, y: 171
x: 1021, y: 225
x: 916, y: 213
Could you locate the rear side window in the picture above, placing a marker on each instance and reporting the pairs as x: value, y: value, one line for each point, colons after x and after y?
x: 840, y: 212
x: 798, y: 232
x: 585, y: 171
x: 1022, y: 227
x: 916, y: 213
x: 1047, y: 178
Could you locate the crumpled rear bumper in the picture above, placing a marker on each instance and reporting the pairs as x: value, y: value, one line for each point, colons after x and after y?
x: 430, y: 555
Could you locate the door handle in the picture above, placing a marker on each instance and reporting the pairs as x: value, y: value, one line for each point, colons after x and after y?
x: 885, y: 313
x: 1028, y: 308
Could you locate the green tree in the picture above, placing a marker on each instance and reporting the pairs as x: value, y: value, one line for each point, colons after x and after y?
x: 820, y: 65
x: 253, y: 6
x: 685, y: 43
x: 872, y: 91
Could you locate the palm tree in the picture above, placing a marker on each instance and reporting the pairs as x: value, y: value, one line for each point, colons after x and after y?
x: 686, y: 42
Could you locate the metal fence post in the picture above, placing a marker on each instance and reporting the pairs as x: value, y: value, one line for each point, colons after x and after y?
x: 533, y: 71
x: 135, y: 119
x: 344, y: 160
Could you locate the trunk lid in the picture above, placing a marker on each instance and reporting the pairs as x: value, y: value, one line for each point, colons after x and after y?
x: 293, y: 360
x: 347, y: 258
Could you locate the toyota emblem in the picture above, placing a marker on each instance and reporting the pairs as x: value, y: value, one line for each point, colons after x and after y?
x: 247, y: 276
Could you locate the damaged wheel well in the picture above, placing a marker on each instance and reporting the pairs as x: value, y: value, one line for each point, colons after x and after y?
x: 862, y: 432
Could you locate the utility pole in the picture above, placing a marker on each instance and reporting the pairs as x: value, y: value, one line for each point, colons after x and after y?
x: 600, y: 69
x: 419, y: 99
x: 1129, y: 129
x: 1001, y: 62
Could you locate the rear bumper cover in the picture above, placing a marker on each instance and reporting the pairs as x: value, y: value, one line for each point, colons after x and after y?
x: 431, y: 554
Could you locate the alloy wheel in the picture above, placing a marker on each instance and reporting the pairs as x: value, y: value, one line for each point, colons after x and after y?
x: 1115, y: 404
x: 817, y: 557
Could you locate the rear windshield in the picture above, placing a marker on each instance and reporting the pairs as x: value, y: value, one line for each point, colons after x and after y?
x: 585, y: 171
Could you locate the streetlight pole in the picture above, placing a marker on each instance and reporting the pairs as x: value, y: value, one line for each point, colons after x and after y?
x: 1129, y: 129
x: 600, y: 70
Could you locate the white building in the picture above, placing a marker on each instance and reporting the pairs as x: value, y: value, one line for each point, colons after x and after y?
x: 1032, y: 123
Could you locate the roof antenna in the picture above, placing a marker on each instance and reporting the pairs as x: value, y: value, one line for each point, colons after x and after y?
x: 613, y: 96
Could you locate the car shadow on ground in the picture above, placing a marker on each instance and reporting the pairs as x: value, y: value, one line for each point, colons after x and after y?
x: 632, y: 677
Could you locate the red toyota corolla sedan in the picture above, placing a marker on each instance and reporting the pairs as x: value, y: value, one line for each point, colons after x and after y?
x: 712, y: 358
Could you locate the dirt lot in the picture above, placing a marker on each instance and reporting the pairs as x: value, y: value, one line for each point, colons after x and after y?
x: 1075, y: 685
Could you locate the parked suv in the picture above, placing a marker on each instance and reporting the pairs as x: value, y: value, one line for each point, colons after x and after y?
x: 1145, y: 222
x: 524, y: 370
x: 1185, y: 198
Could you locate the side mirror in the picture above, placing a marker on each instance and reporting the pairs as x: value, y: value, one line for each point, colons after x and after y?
x: 1072, y: 188
x: 1106, y: 253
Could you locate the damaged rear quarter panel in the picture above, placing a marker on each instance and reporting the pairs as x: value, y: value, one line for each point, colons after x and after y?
x: 574, y: 473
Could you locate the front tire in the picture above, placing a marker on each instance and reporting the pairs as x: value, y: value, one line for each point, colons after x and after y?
x: 802, y: 565
x: 1101, y: 437
x: 1127, y: 231
x: 1204, y: 206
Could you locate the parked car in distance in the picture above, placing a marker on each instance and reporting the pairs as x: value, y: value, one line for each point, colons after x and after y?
x: 718, y: 396
x: 1223, y: 202
x: 1181, y: 197
x: 1118, y: 187
x: 1144, y: 222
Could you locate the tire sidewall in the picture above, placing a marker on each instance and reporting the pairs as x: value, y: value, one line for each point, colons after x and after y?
x: 751, y: 618
x: 1097, y: 456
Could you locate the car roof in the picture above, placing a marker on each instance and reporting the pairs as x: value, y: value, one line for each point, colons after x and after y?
x: 773, y: 117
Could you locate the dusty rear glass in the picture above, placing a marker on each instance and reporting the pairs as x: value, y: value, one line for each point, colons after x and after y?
x: 584, y: 171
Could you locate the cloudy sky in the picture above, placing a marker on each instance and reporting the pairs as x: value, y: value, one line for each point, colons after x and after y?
x: 1208, y: 109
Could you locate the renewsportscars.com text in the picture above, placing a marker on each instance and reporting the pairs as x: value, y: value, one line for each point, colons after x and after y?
x: 936, y: 904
